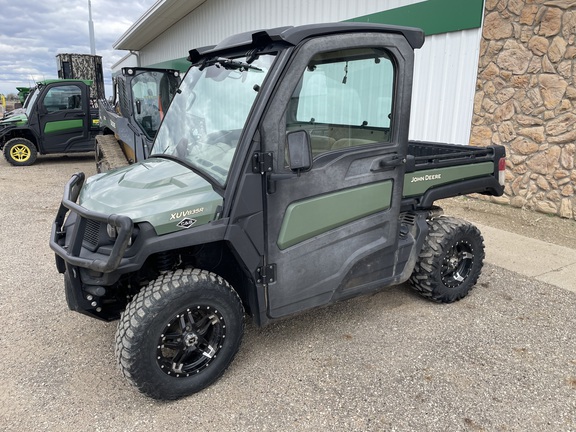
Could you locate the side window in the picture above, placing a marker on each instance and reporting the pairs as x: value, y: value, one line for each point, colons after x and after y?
x: 344, y: 99
x: 66, y: 97
x: 145, y: 101
x: 151, y: 95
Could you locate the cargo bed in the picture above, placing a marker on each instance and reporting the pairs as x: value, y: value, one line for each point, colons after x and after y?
x: 436, y: 171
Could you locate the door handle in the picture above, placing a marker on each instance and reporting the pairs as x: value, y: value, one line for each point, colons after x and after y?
x: 387, y: 162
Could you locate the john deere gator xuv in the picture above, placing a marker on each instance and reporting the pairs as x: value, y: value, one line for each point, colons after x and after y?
x: 281, y: 179
x: 57, y: 117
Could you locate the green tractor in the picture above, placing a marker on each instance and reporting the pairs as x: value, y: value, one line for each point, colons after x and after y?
x: 23, y: 93
x: 57, y: 117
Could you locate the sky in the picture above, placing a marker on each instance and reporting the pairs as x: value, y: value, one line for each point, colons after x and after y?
x: 32, y: 32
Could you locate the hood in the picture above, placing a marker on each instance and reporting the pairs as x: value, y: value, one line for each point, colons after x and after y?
x: 168, y: 195
x: 14, y: 118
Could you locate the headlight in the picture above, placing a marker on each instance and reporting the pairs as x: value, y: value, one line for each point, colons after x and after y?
x: 113, y: 233
x: 111, y: 230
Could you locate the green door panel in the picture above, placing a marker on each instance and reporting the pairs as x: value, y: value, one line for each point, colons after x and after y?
x: 63, y: 125
x: 416, y: 183
x: 308, y: 218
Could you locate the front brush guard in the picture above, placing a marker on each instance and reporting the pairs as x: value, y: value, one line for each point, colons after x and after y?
x: 70, y: 251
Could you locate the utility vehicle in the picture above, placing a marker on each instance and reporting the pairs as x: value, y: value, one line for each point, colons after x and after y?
x: 281, y: 179
x: 57, y: 117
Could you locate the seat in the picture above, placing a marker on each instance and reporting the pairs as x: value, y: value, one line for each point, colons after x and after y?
x: 350, y: 142
x: 74, y: 102
x: 321, y: 144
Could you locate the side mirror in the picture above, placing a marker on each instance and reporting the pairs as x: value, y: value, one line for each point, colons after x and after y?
x: 299, y: 150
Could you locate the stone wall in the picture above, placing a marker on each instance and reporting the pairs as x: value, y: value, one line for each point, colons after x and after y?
x: 526, y: 100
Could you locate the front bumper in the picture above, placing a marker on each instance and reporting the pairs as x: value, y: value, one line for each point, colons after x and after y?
x: 78, y: 263
x: 67, y: 245
x: 101, y: 273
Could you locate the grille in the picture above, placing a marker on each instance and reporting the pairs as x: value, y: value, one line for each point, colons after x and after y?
x: 92, y: 231
x: 407, y: 218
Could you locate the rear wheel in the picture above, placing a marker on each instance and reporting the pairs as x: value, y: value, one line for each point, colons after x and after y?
x: 450, y: 261
x: 20, y: 152
x: 179, y: 334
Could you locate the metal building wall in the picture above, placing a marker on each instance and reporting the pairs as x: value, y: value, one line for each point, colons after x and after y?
x: 445, y: 74
x: 446, y: 66
x: 215, y: 20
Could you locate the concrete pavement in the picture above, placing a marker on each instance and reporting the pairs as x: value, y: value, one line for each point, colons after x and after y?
x: 542, y: 261
x: 501, y: 359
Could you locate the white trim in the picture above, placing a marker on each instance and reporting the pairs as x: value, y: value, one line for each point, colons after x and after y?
x: 161, y: 16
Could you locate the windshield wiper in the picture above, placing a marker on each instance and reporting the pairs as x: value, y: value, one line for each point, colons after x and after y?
x: 227, y: 63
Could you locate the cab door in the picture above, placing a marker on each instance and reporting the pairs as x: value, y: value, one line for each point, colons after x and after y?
x: 332, y: 231
x: 63, y: 118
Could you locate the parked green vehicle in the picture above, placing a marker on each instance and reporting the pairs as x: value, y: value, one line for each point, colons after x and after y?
x: 57, y: 117
x: 281, y: 179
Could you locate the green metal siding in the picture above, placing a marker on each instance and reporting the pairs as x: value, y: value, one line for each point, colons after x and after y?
x: 432, y: 16
x: 181, y: 64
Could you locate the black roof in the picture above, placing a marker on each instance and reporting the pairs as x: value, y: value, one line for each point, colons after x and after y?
x: 294, y: 35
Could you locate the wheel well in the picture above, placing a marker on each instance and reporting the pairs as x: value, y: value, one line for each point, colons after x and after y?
x: 215, y: 257
x: 20, y: 133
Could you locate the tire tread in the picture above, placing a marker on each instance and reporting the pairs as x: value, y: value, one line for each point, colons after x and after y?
x: 441, y: 230
x: 148, y: 303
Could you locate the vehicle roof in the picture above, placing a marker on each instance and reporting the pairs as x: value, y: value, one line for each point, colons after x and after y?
x: 50, y: 81
x: 132, y: 70
x: 294, y: 35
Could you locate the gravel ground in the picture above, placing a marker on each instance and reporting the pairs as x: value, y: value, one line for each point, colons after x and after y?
x: 502, y: 359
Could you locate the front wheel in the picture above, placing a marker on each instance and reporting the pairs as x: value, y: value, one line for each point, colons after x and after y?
x: 179, y: 334
x: 450, y: 261
x: 20, y: 152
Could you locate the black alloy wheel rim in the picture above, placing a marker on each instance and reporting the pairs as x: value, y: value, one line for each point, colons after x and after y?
x: 190, y: 341
x: 457, y: 264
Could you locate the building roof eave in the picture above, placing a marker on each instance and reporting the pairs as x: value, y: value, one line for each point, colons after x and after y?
x: 156, y: 20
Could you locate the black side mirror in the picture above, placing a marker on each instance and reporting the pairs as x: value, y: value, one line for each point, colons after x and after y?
x: 299, y: 150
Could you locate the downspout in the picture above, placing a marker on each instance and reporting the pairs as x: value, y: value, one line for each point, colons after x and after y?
x: 137, y: 55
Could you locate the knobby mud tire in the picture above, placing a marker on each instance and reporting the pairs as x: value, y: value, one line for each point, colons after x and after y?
x: 450, y: 261
x: 20, y: 152
x: 179, y: 334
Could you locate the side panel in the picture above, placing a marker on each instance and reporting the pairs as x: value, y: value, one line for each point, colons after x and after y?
x: 417, y: 183
x: 62, y: 126
x: 318, y: 215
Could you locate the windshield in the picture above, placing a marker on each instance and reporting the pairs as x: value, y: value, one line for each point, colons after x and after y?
x: 207, y: 115
x: 30, y: 100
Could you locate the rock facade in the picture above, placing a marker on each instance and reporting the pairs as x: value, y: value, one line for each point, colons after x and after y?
x: 526, y: 100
